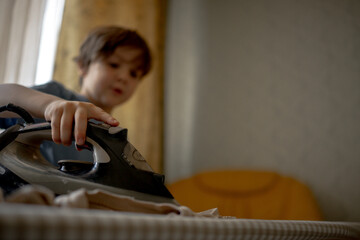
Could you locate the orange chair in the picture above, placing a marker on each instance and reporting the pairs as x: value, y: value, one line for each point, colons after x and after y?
x: 247, y: 194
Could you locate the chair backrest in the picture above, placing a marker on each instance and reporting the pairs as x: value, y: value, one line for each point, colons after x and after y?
x: 247, y: 194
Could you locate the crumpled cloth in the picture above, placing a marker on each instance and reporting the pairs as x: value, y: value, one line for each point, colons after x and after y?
x: 99, y: 199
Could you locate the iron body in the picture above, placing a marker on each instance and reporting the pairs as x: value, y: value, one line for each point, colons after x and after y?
x: 118, y: 167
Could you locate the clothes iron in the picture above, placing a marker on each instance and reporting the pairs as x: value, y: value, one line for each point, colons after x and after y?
x: 117, y: 167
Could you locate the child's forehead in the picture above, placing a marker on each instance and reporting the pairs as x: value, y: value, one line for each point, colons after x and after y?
x: 127, y: 54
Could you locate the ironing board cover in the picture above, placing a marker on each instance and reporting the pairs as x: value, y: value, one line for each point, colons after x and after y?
x: 19, y: 221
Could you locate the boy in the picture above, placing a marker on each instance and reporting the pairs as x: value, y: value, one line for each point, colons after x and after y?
x: 112, y: 61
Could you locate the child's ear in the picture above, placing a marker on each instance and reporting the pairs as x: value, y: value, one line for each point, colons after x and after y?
x: 81, y: 70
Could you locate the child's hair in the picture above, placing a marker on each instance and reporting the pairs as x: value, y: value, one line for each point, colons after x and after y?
x: 103, y: 41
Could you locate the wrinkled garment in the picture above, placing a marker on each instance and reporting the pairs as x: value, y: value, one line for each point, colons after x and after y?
x: 99, y: 199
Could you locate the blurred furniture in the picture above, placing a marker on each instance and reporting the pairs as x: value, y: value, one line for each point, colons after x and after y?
x: 247, y: 194
x: 41, y: 222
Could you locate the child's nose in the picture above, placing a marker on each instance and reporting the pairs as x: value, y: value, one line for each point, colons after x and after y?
x: 124, y: 75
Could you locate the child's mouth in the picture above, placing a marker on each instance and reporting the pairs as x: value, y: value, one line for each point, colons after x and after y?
x: 117, y: 91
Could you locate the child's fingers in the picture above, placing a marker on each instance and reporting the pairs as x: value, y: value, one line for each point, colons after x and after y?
x: 53, y: 113
x: 63, y: 114
x: 80, y: 126
x: 55, y: 129
x: 100, y: 115
x: 66, y: 126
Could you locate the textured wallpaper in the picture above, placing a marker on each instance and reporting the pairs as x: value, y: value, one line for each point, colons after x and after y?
x: 277, y: 88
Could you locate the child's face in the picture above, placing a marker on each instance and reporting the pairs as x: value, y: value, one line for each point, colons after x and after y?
x: 111, y: 81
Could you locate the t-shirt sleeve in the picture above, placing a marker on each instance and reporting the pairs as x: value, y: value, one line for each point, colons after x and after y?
x: 53, y: 88
x: 59, y: 90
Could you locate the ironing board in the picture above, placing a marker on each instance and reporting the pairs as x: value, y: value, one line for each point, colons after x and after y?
x: 19, y: 221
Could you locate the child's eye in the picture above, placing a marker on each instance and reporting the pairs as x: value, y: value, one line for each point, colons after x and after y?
x: 114, y: 65
x: 135, y: 73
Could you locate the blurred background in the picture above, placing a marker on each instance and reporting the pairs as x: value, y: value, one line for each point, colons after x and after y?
x: 236, y: 84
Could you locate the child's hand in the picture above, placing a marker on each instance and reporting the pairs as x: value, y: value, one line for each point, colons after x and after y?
x: 63, y: 114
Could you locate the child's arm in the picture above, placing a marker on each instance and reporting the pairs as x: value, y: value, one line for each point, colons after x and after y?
x: 60, y: 112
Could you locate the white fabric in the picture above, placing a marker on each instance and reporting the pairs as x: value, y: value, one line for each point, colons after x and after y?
x: 20, y: 28
x: 99, y: 199
x: 49, y: 39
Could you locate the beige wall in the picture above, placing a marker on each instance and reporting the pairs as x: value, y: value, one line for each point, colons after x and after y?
x: 271, y: 85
